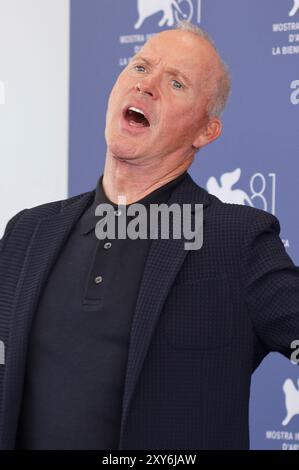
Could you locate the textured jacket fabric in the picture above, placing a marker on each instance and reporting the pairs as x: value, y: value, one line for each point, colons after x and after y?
x: 203, y: 321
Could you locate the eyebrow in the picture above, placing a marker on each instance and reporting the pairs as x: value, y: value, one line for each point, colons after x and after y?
x: 172, y: 70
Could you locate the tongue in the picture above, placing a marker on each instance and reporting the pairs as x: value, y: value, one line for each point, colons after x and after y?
x: 136, y: 119
x: 136, y: 124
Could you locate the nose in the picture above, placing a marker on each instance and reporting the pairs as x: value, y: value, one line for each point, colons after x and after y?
x: 146, y: 87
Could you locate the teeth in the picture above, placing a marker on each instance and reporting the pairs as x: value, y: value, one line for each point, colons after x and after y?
x: 136, y: 110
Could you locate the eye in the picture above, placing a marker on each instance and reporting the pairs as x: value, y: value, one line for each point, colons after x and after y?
x: 176, y: 84
x: 139, y: 68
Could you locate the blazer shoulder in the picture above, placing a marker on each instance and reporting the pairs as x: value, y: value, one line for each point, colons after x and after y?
x: 229, y: 219
x: 49, y: 208
x: 241, y: 218
x: 54, y: 207
x: 34, y: 214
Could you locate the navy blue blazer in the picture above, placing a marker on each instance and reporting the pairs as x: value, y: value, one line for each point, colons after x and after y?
x: 204, y: 320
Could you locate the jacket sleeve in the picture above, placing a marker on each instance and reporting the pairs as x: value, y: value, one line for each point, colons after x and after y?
x: 9, y: 227
x: 271, y: 285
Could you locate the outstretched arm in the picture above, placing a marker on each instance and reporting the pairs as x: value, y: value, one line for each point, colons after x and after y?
x: 271, y: 285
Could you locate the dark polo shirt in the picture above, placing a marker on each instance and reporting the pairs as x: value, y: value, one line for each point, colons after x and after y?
x: 79, y: 339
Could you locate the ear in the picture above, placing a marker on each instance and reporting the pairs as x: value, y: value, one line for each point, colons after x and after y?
x: 211, y: 131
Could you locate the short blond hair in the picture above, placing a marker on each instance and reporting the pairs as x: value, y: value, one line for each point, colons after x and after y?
x: 222, y: 81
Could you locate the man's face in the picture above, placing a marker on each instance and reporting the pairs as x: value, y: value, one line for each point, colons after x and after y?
x: 166, y: 81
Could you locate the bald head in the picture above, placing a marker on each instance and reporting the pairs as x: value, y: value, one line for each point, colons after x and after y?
x: 215, y: 78
x: 221, y: 82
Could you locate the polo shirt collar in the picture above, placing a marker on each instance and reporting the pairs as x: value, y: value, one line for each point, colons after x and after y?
x: 158, y: 196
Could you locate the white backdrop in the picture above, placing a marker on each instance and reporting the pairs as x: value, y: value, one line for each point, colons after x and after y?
x: 34, y: 89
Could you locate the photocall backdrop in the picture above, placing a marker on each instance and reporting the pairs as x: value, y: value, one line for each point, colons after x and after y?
x: 58, y: 62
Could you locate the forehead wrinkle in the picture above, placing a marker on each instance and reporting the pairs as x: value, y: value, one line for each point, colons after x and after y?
x: 144, y: 59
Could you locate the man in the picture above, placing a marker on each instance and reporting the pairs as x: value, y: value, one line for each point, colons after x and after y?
x: 142, y: 344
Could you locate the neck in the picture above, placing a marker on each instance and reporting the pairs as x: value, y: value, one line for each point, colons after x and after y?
x: 136, y: 180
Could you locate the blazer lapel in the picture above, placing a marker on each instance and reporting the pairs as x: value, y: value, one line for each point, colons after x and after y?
x: 164, y: 260
x: 48, y: 237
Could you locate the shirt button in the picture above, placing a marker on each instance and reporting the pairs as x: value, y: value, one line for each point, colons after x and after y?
x: 117, y: 212
x: 107, y: 245
x: 98, y: 279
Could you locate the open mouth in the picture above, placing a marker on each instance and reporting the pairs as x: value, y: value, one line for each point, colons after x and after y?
x: 136, y: 117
